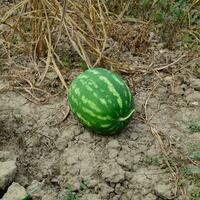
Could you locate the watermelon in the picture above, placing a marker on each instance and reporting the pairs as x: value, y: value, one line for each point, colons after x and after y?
x: 101, y: 101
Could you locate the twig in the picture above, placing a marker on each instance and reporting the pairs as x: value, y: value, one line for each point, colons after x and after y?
x: 158, y: 138
x: 147, y: 100
x: 171, y: 64
x: 50, y: 138
x: 66, y: 114
x: 61, y: 22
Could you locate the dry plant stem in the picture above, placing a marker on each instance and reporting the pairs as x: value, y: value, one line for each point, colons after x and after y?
x: 47, y: 61
x: 37, y: 32
x: 12, y: 10
x: 163, y: 148
x: 87, y: 44
x: 147, y: 100
x: 66, y: 114
x: 152, y: 116
x: 32, y: 88
x: 82, y: 41
x: 40, y: 21
x: 76, y: 47
x: 50, y: 58
x: 158, y: 138
x: 29, y: 92
x: 59, y: 73
x: 49, y: 45
x: 134, y: 20
x: 104, y: 35
x: 168, y: 163
x: 26, y: 97
x: 171, y: 64
x: 50, y: 138
x: 195, y: 34
x: 124, y: 10
x: 130, y: 69
x: 61, y: 22
x: 4, y: 89
x: 16, y: 30
x: 194, y: 2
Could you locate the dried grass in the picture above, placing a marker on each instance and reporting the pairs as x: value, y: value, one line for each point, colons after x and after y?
x: 38, y: 25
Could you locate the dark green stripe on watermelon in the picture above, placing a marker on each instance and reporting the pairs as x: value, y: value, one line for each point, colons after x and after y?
x: 101, y: 101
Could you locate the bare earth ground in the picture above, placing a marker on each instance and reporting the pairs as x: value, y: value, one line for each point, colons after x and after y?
x: 150, y: 160
x: 143, y: 162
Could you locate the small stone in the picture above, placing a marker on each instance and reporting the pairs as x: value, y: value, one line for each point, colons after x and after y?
x: 151, y: 36
x: 116, y: 197
x: 125, y: 160
x: 74, y: 182
x: 137, y: 158
x: 121, y: 161
x: 112, y: 153
x: 86, y: 136
x: 150, y: 197
x: 126, y: 147
x: 168, y: 80
x: 72, y: 160
x: 129, y: 194
x: 66, y: 136
x: 7, y: 173
x: 195, y: 83
x: 163, y: 191
x: 35, y: 189
x: 144, y: 191
x: 105, y: 190
x: 178, y: 90
x: 92, y: 183
x: 52, y: 75
x: 161, y: 47
x: 193, y: 99
x: 140, y: 179
x: 113, y: 144
x: 119, y: 188
x: 113, y: 148
x: 15, y: 192
x: 194, y: 104
x: 134, y: 136
x: 113, y: 173
x: 125, y: 184
x: 128, y: 175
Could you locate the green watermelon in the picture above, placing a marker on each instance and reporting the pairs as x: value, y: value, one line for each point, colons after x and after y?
x: 101, y: 101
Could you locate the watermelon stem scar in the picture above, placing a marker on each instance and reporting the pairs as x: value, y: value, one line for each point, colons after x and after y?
x: 125, y: 118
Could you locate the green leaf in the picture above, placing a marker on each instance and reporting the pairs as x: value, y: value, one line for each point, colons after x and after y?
x: 194, y: 128
x: 146, y: 3
x: 195, y: 155
x: 159, y: 17
x: 83, y: 65
x: 26, y: 198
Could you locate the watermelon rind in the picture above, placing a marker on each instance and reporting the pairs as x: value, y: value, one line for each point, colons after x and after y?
x: 101, y: 101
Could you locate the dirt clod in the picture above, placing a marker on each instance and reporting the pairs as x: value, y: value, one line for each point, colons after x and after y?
x: 164, y: 191
x: 15, y: 192
x: 8, y: 170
